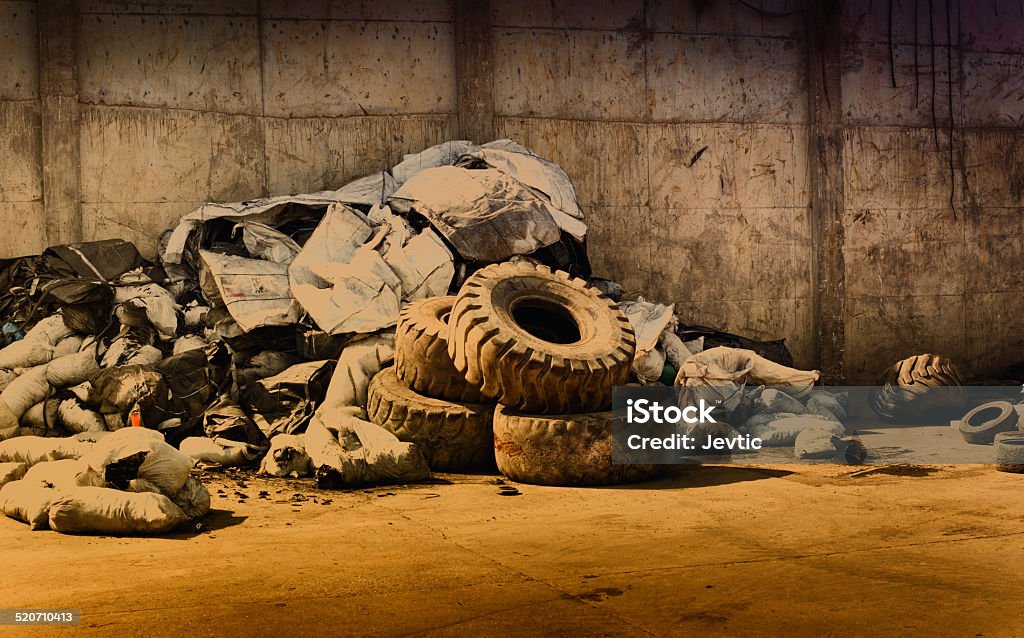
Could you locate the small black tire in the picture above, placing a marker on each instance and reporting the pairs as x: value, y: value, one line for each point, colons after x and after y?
x: 539, y: 341
x: 566, y: 450
x: 981, y: 425
x: 452, y: 436
x: 421, y: 352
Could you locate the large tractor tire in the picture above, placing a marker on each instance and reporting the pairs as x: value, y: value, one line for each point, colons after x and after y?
x: 452, y: 436
x: 421, y: 352
x: 539, y: 341
x: 916, y: 387
x: 565, y: 450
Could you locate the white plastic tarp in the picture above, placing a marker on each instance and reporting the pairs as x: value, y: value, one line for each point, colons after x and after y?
x: 541, y: 175
x: 486, y: 215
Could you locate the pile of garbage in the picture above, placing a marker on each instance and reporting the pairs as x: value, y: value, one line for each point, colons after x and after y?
x: 440, y: 316
x: 125, y: 482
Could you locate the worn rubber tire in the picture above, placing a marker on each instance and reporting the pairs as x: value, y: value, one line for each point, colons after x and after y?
x: 452, y: 436
x: 564, y: 450
x: 421, y: 352
x: 917, y: 385
x: 1010, y: 452
x: 539, y: 341
x: 980, y: 426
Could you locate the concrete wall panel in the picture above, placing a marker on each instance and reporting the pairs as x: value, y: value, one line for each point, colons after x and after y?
x: 332, y: 68
x: 709, y: 255
x: 141, y: 223
x: 992, y: 25
x: 607, y: 161
x: 310, y: 154
x: 30, y: 236
x: 568, y: 14
x: 143, y: 155
x: 899, y: 168
x: 206, y: 63
x: 728, y: 165
x: 781, y: 18
x: 171, y: 7
x: 718, y: 79
x: 759, y: 319
x: 19, y: 50
x: 590, y: 75
x: 620, y: 246
x: 384, y: 10
x: 869, y: 97
x: 993, y: 89
x: 992, y: 336
x: 19, y: 148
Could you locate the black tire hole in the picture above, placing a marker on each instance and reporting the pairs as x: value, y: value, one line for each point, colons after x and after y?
x: 546, y: 320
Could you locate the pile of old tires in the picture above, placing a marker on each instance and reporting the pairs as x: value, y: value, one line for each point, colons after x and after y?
x: 524, y: 358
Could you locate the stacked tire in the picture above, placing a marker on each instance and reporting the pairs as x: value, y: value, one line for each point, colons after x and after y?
x: 424, y: 400
x: 548, y: 349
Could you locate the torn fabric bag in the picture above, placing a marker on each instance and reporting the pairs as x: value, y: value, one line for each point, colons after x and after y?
x: 255, y: 292
x: 486, y: 215
x: 348, y: 450
x: 284, y: 403
x: 353, y: 276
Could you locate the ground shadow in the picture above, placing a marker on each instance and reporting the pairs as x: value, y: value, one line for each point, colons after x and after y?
x: 683, y: 476
x: 214, y: 520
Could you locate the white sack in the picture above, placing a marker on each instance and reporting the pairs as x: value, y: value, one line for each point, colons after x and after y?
x: 73, y: 369
x: 164, y: 466
x: 11, y: 471
x: 64, y: 474
x: 27, y: 503
x: 193, y: 498
x: 98, y: 510
x: 287, y: 457
x: 75, y: 417
x: 36, y: 449
x: 219, y: 451
x: 255, y: 292
x: 358, y: 363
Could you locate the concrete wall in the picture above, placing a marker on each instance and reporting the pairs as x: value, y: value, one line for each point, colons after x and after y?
x: 21, y: 180
x: 933, y: 228
x: 684, y: 124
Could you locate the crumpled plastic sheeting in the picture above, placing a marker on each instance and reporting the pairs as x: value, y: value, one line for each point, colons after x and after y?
x: 353, y: 277
x: 265, y: 242
x: 272, y: 211
x: 485, y: 214
x: 539, y: 174
x: 255, y: 292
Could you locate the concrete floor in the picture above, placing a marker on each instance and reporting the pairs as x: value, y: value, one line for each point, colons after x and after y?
x: 824, y: 550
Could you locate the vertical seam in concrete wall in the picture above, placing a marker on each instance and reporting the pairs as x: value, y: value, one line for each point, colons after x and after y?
x: 263, y: 98
x: 60, y: 120
x: 474, y: 70
x: 825, y: 132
